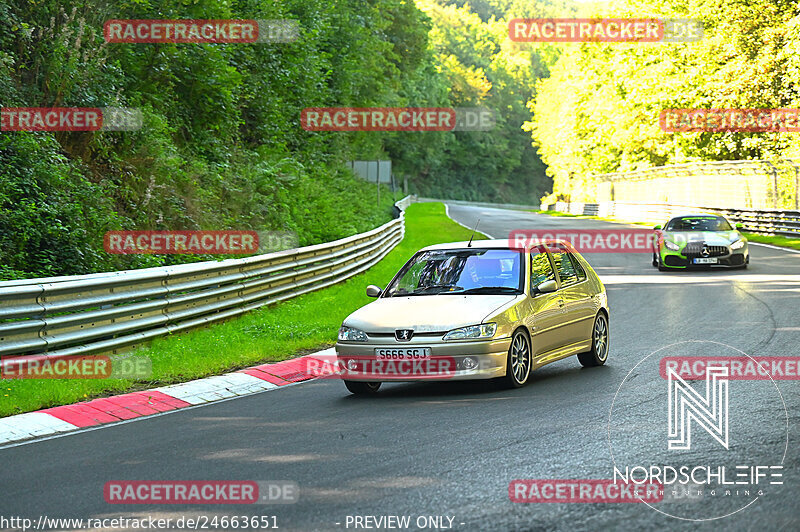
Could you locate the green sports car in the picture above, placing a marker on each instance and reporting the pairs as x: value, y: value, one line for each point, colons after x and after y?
x: 699, y: 240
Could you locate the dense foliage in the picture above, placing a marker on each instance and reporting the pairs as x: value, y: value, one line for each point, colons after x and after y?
x: 598, y: 111
x: 222, y: 145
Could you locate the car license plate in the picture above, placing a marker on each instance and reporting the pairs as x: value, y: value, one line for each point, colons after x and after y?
x: 704, y: 260
x: 402, y: 353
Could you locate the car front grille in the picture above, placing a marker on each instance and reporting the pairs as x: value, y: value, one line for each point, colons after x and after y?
x: 695, y: 249
x: 416, y: 334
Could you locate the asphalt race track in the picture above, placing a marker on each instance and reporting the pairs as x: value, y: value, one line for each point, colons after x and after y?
x: 451, y: 449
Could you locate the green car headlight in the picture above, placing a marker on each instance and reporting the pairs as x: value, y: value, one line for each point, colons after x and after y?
x: 739, y: 244
x: 348, y: 334
x: 473, y: 332
x: 671, y: 245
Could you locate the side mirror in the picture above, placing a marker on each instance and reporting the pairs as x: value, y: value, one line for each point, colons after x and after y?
x: 374, y: 291
x: 657, y: 227
x: 546, y: 287
x: 739, y: 226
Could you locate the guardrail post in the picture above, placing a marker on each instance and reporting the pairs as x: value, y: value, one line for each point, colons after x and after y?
x: 796, y: 187
x: 774, y: 184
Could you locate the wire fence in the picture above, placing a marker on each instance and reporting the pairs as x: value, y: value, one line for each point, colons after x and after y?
x: 753, y: 185
x: 767, y: 222
x: 762, y: 195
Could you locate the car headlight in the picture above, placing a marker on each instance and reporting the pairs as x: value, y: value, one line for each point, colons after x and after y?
x: 484, y: 330
x: 671, y: 245
x: 739, y: 244
x: 348, y: 334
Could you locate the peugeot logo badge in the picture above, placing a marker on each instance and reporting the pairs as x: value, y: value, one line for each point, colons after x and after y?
x: 403, y: 335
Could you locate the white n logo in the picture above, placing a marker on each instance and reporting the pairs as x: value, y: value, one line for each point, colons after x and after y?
x: 685, y: 405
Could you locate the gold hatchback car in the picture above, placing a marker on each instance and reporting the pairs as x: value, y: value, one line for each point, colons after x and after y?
x: 478, y: 310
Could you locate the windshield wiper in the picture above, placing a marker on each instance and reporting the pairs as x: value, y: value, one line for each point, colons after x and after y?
x: 490, y: 289
x: 438, y: 287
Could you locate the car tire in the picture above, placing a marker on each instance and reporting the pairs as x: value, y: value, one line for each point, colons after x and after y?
x: 661, y: 266
x: 655, y: 260
x: 599, y: 353
x: 362, y: 388
x: 518, y: 361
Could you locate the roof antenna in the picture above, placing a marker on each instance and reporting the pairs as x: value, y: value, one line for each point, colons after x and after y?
x: 473, y: 233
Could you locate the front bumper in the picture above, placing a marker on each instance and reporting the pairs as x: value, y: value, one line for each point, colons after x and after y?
x: 684, y: 260
x: 447, y: 360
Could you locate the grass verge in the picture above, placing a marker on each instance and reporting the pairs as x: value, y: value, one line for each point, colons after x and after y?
x: 269, y: 334
x: 775, y: 240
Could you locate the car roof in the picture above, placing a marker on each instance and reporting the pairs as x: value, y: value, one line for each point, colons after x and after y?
x: 499, y: 243
x: 689, y: 214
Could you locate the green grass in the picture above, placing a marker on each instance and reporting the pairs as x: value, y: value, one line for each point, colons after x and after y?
x: 775, y: 240
x: 275, y: 333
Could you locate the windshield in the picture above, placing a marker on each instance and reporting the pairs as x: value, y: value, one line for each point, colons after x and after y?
x: 459, y: 271
x: 699, y: 223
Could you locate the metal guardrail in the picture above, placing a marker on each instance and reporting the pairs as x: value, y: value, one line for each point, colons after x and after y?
x: 110, y: 312
x: 785, y: 223
x: 515, y: 206
x: 587, y: 209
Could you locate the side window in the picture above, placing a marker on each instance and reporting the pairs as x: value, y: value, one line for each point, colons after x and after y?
x: 578, y: 268
x: 565, y: 266
x: 541, y: 270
